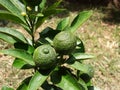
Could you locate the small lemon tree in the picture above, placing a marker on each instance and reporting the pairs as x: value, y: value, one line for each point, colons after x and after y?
x: 56, y: 56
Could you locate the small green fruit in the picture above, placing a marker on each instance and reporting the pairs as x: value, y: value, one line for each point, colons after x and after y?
x: 65, y: 42
x: 45, y: 56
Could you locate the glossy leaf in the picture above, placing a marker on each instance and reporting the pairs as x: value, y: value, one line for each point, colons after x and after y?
x: 36, y: 81
x: 6, y: 88
x: 79, y: 20
x: 42, y: 5
x: 82, y: 56
x: 80, y: 46
x: 11, y: 7
x: 24, y: 84
x: 40, y: 21
x: 22, y: 87
x: 8, y: 16
x: 68, y: 82
x: 83, y: 84
x: 21, y: 54
x: 21, y: 64
x: 63, y: 24
x: 85, y: 68
x: 19, y: 5
x: 18, y: 63
x: 8, y: 38
x: 14, y: 33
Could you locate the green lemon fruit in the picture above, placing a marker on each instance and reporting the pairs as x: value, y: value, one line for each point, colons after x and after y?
x: 65, y: 42
x: 45, y: 56
x: 31, y: 3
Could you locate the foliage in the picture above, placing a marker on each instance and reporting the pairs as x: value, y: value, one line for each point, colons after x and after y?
x: 69, y: 73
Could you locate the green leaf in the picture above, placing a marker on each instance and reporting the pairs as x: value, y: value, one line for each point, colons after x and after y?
x: 18, y: 63
x: 85, y: 68
x: 40, y: 21
x: 8, y: 16
x: 6, y: 88
x: 8, y: 38
x: 24, y: 84
x: 68, y: 82
x: 80, y: 46
x: 36, y: 81
x: 11, y: 7
x: 82, y: 83
x: 14, y: 33
x: 21, y: 64
x: 42, y: 5
x: 82, y: 56
x: 63, y: 24
x: 19, y: 5
x: 79, y: 20
x: 21, y: 54
x: 55, y: 5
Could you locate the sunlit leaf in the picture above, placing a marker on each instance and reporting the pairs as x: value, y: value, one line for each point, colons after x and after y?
x: 42, y: 5
x: 6, y: 88
x: 85, y: 68
x: 11, y: 7
x: 8, y: 16
x: 68, y: 82
x: 36, y: 81
x: 21, y: 64
x: 14, y: 33
x: 21, y: 54
x: 82, y: 56
x: 80, y: 46
x: 82, y: 83
x: 80, y: 19
x: 63, y: 24
x: 8, y: 38
x: 19, y: 5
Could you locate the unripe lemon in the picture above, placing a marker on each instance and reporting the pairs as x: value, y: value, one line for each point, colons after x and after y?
x: 65, y: 42
x: 45, y: 56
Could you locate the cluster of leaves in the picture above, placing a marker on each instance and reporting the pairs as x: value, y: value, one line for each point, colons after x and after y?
x: 72, y: 74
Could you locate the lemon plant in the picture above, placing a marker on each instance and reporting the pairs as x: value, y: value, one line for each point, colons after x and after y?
x: 56, y: 56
